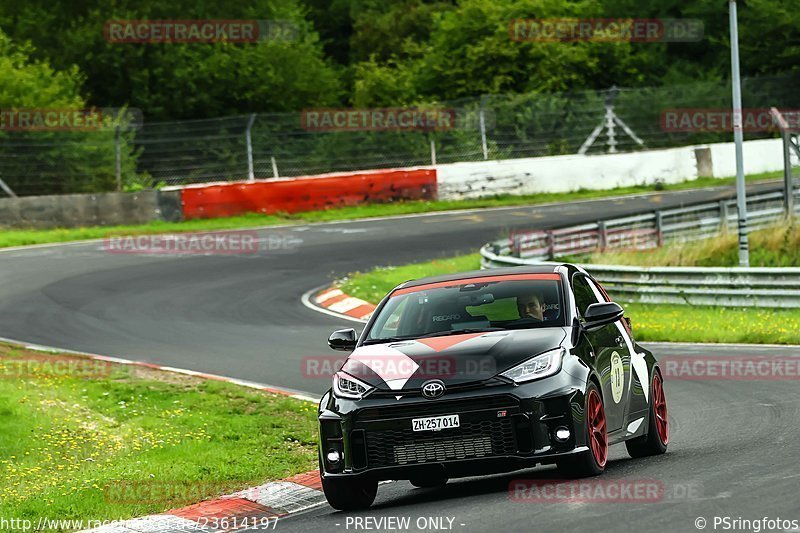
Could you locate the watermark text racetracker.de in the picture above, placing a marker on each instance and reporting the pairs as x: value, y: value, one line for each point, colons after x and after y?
x: 751, y: 120
x: 397, y: 366
x: 198, y: 31
x: 73, y: 120
x: 49, y: 366
x: 637, y: 30
x: 204, y: 243
x: 731, y: 368
x: 614, y: 491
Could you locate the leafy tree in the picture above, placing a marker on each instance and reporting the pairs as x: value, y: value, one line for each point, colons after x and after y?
x: 49, y: 162
x: 188, y: 80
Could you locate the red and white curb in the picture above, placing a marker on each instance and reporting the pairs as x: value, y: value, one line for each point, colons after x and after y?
x: 255, y: 507
x: 332, y: 301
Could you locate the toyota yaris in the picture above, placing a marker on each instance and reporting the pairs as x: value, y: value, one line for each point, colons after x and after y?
x: 485, y: 372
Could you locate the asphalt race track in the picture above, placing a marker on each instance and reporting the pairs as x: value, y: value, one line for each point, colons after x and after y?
x: 734, y: 445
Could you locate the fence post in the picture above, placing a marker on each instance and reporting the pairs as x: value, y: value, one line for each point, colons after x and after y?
x: 482, y: 121
x: 602, y: 235
x: 516, y: 246
x: 659, y: 229
x: 723, y: 216
x: 249, y: 140
x: 433, y: 152
x: 788, y: 201
x: 551, y: 246
x: 787, y: 176
x: 274, y: 167
x: 118, y: 158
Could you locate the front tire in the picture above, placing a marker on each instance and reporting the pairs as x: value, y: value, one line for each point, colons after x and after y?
x: 593, y: 461
x: 349, y: 494
x: 657, y: 437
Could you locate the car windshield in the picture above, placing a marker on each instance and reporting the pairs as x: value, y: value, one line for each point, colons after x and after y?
x: 472, y: 305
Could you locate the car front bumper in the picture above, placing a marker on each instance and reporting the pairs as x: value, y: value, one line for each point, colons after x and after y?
x: 503, y: 427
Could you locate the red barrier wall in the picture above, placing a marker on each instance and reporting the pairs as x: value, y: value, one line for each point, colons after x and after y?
x: 307, y: 193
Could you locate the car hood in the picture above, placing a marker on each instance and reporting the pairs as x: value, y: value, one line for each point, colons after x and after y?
x: 454, y: 359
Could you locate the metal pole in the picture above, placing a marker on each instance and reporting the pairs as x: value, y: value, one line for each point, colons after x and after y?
x: 612, y: 141
x: 433, y: 152
x: 659, y: 229
x: 7, y: 189
x: 738, y: 137
x: 723, y: 216
x: 482, y: 121
x: 118, y: 159
x: 274, y: 167
x: 248, y: 138
x: 787, y: 176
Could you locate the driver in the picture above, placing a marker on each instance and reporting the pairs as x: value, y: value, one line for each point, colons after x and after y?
x: 531, y: 305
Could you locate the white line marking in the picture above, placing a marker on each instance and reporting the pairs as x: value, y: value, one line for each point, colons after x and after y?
x: 300, y: 395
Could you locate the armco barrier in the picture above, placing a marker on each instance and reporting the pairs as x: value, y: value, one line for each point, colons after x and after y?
x: 746, y: 287
x: 293, y: 195
x: 733, y: 287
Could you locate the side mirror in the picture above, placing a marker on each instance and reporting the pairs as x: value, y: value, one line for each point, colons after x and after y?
x: 600, y: 314
x: 343, y: 339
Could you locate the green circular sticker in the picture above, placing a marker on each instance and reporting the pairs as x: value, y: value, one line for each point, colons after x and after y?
x: 617, y: 377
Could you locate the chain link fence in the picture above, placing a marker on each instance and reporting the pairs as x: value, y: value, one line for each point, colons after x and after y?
x: 267, y: 145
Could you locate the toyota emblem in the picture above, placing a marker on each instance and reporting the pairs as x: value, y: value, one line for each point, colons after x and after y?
x: 433, y: 389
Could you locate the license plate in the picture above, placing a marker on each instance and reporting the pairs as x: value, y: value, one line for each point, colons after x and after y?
x: 435, y: 423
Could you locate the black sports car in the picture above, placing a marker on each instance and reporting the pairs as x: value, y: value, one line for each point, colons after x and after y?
x: 484, y: 372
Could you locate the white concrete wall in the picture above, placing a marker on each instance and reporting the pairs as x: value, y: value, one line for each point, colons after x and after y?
x: 572, y: 172
x: 759, y: 156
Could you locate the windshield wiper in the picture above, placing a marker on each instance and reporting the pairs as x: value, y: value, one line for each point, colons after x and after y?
x: 459, y: 332
x: 435, y: 334
x: 389, y: 339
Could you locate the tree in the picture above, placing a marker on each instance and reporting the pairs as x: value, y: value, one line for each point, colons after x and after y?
x: 188, y: 80
x: 49, y: 162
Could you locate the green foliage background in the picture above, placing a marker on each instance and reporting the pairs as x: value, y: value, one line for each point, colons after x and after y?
x: 361, y: 53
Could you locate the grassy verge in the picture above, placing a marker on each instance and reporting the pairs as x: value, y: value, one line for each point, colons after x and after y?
x: 775, y: 246
x: 673, y: 323
x: 21, y: 237
x: 93, y: 441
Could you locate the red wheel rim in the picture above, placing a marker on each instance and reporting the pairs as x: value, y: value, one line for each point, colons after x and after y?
x: 598, y: 438
x: 660, y: 407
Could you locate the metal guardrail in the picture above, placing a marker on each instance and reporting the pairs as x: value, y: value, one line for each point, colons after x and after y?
x: 648, y: 230
x: 735, y: 286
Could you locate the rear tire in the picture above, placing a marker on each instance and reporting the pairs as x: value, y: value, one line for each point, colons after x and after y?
x: 428, y: 482
x: 657, y: 437
x: 593, y: 461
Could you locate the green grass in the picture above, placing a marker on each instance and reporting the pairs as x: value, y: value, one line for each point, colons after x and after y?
x: 82, y: 446
x: 21, y: 237
x: 373, y: 285
x: 673, y: 323
x: 776, y: 246
x: 683, y: 323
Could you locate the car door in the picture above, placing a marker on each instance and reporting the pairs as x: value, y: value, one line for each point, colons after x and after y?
x: 611, y: 354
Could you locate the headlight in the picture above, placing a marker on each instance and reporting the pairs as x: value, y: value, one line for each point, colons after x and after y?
x: 541, y: 366
x: 346, y: 386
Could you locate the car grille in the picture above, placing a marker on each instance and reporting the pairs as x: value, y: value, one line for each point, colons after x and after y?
x: 472, y: 440
x: 437, y: 407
